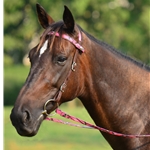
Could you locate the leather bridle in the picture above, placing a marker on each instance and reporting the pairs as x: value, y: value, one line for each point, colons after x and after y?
x: 58, y: 95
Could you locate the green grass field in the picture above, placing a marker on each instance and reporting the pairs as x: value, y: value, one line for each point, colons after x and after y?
x: 54, y: 135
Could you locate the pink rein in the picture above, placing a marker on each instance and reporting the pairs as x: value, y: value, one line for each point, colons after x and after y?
x: 88, y: 125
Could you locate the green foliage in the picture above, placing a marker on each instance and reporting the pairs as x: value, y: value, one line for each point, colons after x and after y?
x: 121, y: 23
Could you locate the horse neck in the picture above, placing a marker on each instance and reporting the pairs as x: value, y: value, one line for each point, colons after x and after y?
x: 112, y: 85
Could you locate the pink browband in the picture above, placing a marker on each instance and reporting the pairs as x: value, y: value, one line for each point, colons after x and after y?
x: 88, y: 125
x: 67, y: 37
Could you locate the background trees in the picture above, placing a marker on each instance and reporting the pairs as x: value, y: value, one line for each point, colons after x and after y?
x: 123, y: 24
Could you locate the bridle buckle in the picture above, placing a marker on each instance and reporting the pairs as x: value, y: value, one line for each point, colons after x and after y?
x: 73, y: 66
x: 63, y: 86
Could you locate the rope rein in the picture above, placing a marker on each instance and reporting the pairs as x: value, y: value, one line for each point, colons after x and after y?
x: 89, y: 126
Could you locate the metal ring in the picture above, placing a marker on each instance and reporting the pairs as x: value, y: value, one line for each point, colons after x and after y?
x: 45, y: 111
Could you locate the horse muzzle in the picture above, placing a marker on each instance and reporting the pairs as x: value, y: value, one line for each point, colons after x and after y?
x: 25, y: 123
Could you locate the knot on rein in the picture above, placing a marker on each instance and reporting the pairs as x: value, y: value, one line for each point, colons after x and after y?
x: 88, y: 125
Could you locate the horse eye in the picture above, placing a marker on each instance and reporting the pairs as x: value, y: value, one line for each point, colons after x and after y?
x: 61, y: 60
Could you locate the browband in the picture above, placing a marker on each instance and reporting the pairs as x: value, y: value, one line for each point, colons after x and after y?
x: 67, y: 37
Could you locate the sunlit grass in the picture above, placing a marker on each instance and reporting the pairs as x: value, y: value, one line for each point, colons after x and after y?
x: 55, y: 136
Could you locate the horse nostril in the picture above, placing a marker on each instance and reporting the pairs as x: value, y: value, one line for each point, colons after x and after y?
x: 26, y: 117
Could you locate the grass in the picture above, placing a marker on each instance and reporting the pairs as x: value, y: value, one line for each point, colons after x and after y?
x: 55, y: 136
x: 14, y: 78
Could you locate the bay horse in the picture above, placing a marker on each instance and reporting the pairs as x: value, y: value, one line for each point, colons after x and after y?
x: 68, y: 63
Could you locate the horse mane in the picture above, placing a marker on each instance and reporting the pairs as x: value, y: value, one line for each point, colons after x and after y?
x: 113, y: 50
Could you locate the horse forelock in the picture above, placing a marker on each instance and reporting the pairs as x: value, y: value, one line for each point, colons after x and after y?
x: 52, y: 43
x: 58, y: 28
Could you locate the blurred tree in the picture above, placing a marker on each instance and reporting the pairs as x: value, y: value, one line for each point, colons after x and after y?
x: 121, y: 23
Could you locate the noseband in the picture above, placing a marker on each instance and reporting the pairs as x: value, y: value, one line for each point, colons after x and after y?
x: 58, y: 95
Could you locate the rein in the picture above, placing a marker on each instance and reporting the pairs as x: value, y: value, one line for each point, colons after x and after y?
x: 61, y: 90
x: 89, y: 126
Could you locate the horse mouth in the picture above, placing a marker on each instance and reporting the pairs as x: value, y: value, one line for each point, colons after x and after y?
x: 29, y: 129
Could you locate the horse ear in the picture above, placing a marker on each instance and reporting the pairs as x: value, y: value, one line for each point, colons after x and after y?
x: 44, y: 19
x: 68, y: 19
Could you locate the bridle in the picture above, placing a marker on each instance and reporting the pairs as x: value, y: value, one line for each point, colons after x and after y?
x: 58, y: 95
x: 77, y: 45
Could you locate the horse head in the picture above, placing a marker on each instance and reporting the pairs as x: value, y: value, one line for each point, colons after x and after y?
x: 52, y: 62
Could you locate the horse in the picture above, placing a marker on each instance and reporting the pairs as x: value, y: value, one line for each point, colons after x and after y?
x: 67, y: 63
